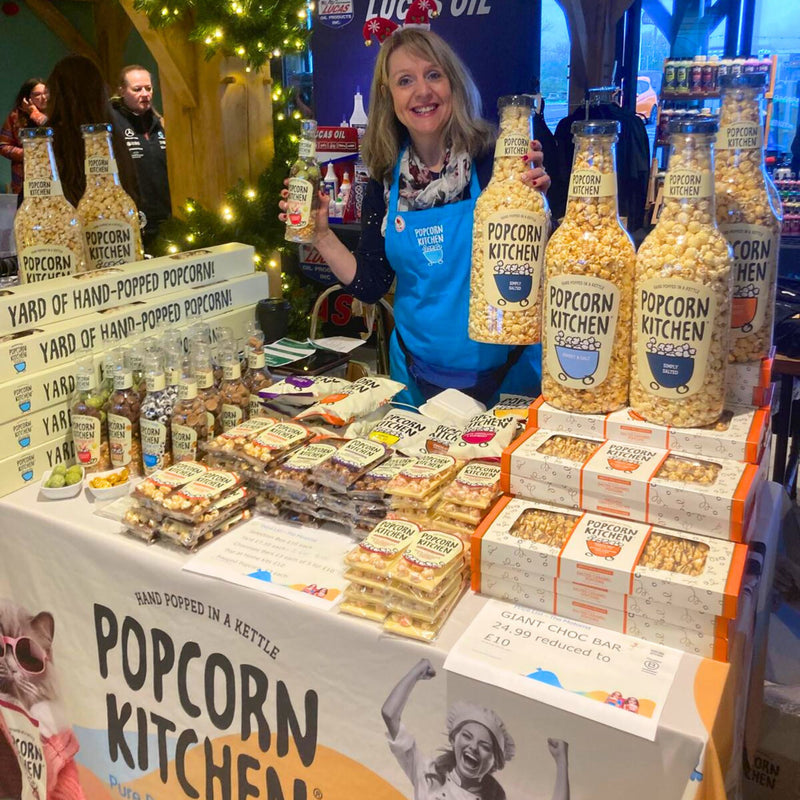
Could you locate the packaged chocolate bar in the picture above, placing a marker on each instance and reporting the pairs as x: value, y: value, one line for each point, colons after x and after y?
x: 383, y: 547
x: 350, y: 462
x: 153, y: 489
x: 431, y: 558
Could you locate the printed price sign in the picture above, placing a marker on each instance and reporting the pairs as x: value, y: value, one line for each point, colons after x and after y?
x: 598, y: 674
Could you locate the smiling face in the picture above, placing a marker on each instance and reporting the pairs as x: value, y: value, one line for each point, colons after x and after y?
x: 137, y: 91
x: 421, y: 95
x: 473, y: 747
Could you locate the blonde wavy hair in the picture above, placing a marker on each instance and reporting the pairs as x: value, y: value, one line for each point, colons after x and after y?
x: 466, y: 131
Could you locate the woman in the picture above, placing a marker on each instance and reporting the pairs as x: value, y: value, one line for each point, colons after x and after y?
x: 429, y: 154
x: 78, y: 96
x: 29, y: 106
x: 479, y: 747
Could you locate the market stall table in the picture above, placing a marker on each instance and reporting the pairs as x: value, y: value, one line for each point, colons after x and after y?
x: 181, y: 685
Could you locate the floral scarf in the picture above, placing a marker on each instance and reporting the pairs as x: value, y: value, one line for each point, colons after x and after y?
x: 420, y: 189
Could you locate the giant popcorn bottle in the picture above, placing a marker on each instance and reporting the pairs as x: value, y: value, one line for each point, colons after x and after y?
x: 682, y: 295
x: 108, y: 215
x: 588, y: 293
x: 747, y: 214
x: 509, y: 235
x: 47, y: 229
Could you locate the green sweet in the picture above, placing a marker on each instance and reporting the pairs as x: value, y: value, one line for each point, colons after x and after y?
x: 60, y: 469
x: 55, y: 481
x: 74, y: 475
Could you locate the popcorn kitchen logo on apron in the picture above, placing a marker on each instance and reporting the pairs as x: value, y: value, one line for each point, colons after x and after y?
x: 430, y: 241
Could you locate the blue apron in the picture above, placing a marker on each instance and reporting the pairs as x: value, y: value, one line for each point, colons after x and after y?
x: 431, y: 253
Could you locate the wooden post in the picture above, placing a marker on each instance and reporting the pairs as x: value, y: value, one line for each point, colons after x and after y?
x: 217, y: 116
x: 592, y: 26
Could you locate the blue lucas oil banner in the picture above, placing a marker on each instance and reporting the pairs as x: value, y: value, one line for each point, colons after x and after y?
x: 493, y: 37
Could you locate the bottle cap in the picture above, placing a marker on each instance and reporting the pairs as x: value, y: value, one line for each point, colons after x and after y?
x: 595, y: 127
x: 96, y: 127
x: 695, y: 124
x: 749, y: 80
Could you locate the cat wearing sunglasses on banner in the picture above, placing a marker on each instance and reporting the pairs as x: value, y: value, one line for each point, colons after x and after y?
x: 26, y: 675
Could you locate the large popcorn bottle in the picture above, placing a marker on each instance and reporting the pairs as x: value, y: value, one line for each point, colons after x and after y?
x: 682, y: 295
x: 47, y: 228
x: 588, y: 292
x: 746, y: 215
x: 108, y: 215
x: 509, y: 235
x: 304, y: 182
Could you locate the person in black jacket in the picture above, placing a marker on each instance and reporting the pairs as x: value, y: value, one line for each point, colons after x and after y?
x: 143, y: 131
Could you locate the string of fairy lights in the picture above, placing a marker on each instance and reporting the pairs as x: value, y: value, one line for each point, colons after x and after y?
x: 253, y: 30
x: 256, y: 31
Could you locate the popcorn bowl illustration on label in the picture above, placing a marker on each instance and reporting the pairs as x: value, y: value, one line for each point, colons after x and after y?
x: 481, y: 438
x: 671, y: 365
x: 20, y: 366
x: 580, y: 365
x: 513, y: 288
x: 743, y: 310
x: 603, y: 549
x: 24, y: 441
x: 622, y: 466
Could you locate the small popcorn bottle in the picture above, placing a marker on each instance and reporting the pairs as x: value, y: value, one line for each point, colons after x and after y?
x: 89, y: 429
x: 123, y: 418
x: 304, y: 183
x: 257, y: 376
x: 588, y: 293
x: 682, y: 292
x: 47, y: 228
x: 155, y: 415
x: 189, y: 419
x: 748, y: 215
x: 235, y: 395
x: 207, y: 390
x: 109, y: 216
x: 510, y: 228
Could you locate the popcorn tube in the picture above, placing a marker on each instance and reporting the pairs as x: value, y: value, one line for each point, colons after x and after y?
x: 510, y: 229
x: 588, y: 293
x: 108, y: 214
x: 682, y: 297
x: 748, y: 214
x: 47, y: 228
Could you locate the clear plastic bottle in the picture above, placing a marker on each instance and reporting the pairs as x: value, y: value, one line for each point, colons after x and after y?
x: 47, y: 228
x: 189, y: 420
x: 258, y: 376
x: 747, y: 215
x: 682, y: 295
x: 304, y: 182
x: 207, y: 389
x: 588, y: 294
x: 123, y: 418
x: 155, y: 416
x: 235, y: 395
x: 89, y: 428
x: 510, y: 228
x: 108, y: 214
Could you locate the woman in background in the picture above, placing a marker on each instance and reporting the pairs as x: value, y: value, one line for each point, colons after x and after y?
x: 29, y: 108
x: 79, y: 96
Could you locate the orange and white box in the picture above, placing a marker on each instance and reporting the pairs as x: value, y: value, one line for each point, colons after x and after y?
x: 685, y: 570
x: 750, y: 383
x: 631, y: 606
x: 711, y: 496
x: 689, y: 641
x: 739, y: 435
